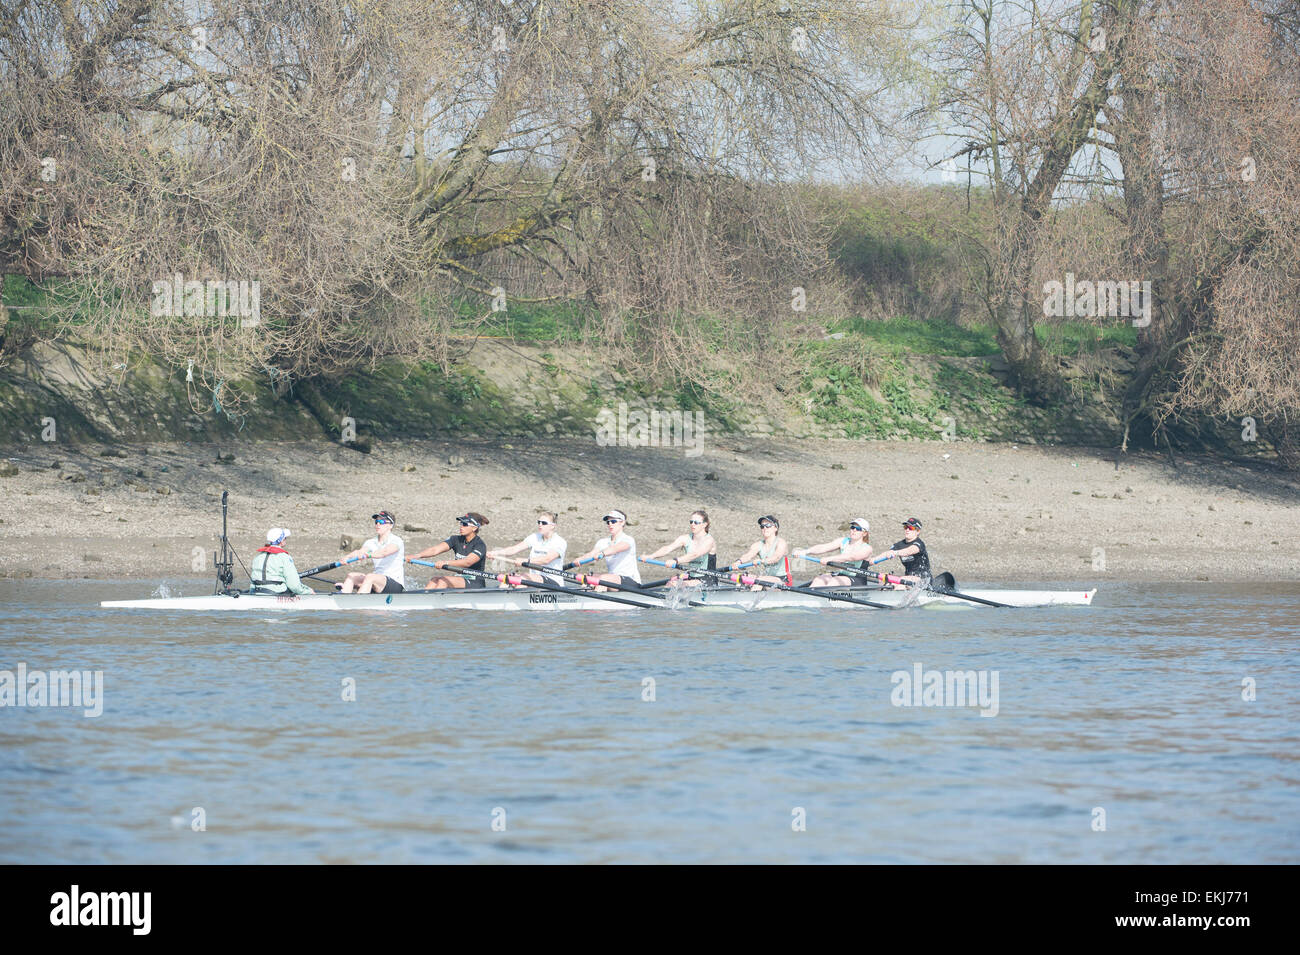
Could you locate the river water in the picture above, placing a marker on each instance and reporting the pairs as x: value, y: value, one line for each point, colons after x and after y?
x: 1123, y: 732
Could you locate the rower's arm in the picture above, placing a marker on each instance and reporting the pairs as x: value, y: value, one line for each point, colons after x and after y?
x: 748, y: 555
x: 546, y: 558
x: 619, y: 548
x: 823, y: 548
x: 469, y: 560
x: 508, y: 551
x: 907, y: 551
x: 383, y: 551
x: 667, y: 548
x: 434, y: 551
x: 292, y: 580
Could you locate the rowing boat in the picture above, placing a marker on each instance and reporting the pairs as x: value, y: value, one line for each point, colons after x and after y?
x: 502, y: 598
x: 716, y: 594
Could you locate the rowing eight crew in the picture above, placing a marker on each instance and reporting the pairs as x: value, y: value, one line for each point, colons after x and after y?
x: 274, y: 572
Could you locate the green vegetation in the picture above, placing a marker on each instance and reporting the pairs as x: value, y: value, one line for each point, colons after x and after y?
x: 529, y: 321
x: 901, y: 336
x: 1070, y: 338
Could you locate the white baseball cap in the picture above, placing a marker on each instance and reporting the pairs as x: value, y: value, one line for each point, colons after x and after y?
x: 276, y: 534
x: 861, y: 522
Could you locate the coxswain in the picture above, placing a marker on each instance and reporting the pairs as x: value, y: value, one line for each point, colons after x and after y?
x: 273, y: 571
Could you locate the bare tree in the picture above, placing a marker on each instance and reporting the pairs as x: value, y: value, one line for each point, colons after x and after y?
x: 354, y: 161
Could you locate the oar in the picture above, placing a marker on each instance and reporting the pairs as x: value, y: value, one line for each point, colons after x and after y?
x: 854, y: 571
x: 943, y: 583
x: 330, y: 566
x: 947, y: 584
x: 540, y: 585
x: 588, y: 579
x: 592, y: 580
x: 814, y: 591
x: 749, y: 581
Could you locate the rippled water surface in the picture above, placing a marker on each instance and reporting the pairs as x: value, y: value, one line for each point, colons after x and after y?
x: 1133, y: 706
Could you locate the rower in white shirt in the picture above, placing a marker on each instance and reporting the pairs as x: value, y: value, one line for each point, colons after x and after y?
x: 545, y: 547
x: 618, y: 551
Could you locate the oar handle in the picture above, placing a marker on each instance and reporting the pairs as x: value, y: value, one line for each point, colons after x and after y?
x: 749, y: 580
x: 455, y: 570
x: 591, y: 580
x: 324, y: 567
x: 869, y: 574
x: 657, y: 563
x: 592, y: 594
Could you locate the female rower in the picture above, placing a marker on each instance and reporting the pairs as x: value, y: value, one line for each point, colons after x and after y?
x: 911, y: 551
x: 855, y: 547
x: 544, y: 547
x: 272, y: 571
x: 769, y: 552
x: 699, y: 549
x: 386, y: 550
x: 470, y: 551
x: 618, y: 550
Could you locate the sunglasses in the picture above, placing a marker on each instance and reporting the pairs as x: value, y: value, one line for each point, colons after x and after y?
x: 766, y: 526
x: 383, y: 522
x: 855, y: 527
x: 546, y: 523
x: 612, y: 520
x: 694, y: 521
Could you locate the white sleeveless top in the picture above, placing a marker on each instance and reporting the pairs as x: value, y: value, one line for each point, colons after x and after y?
x: 624, y: 562
x: 393, y: 565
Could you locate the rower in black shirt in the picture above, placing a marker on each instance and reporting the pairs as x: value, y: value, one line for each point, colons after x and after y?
x: 911, y: 551
x: 470, y: 551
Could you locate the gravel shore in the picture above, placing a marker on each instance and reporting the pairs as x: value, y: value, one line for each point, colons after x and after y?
x: 996, y: 513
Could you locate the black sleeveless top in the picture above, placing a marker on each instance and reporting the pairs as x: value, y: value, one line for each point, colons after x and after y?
x: 918, y: 564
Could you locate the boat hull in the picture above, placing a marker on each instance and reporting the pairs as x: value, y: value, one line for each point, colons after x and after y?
x: 734, y: 599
